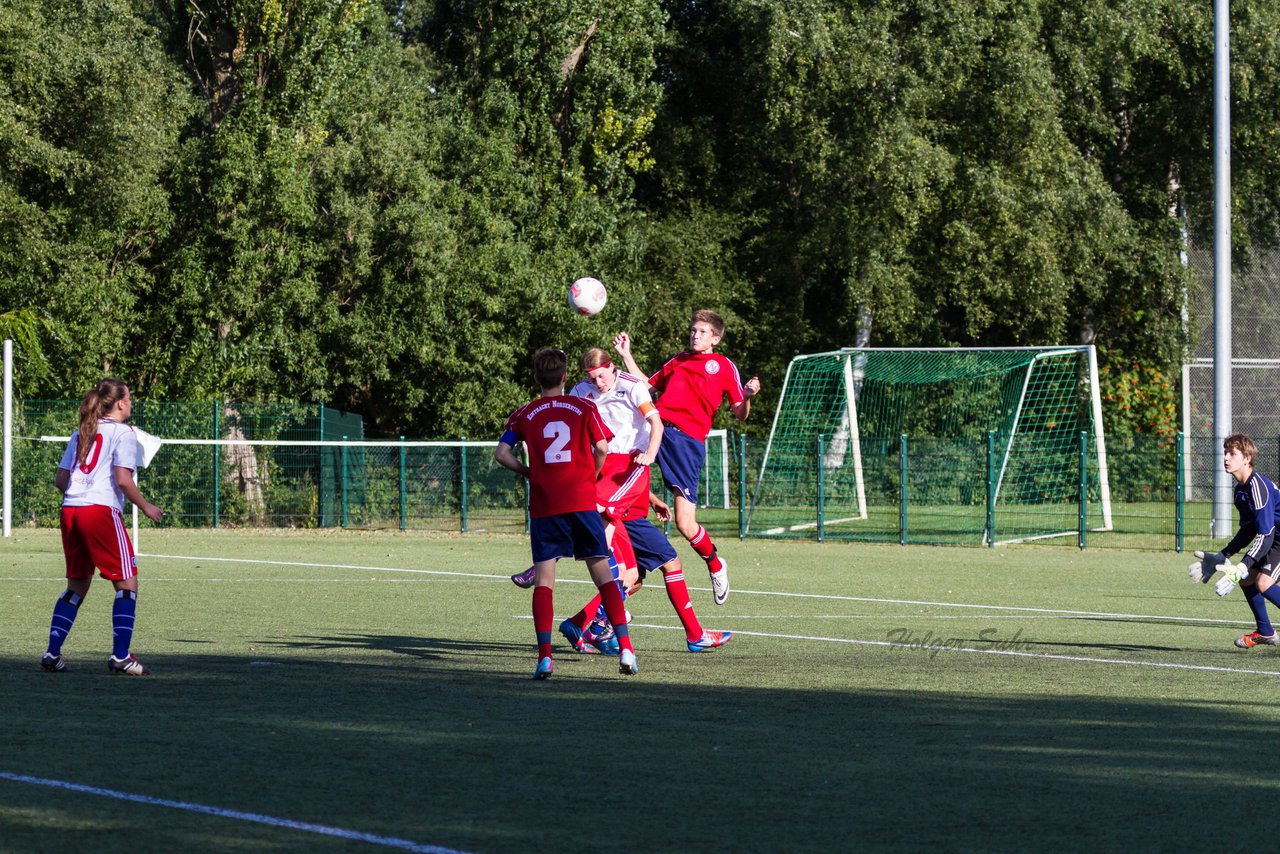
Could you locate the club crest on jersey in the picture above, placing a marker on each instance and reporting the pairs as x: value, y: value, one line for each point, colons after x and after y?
x: 713, y: 367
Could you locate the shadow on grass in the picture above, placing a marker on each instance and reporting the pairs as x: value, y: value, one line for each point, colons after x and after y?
x: 425, y: 648
x: 451, y: 744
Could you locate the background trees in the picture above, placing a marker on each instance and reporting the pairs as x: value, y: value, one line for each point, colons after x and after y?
x: 379, y: 205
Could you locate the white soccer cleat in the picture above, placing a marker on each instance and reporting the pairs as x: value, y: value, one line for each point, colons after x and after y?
x: 129, y: 666
x: 627, y: 663
x: 720, y: 583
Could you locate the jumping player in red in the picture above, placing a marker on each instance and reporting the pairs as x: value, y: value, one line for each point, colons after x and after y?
x: 691, y: 386
x: 95, y: 476
x: 566, y: 443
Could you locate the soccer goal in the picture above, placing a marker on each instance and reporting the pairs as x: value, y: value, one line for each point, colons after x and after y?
x: 713, y: 490
x: 946, y: 445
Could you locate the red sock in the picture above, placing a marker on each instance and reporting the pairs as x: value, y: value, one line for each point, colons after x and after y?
x: 701, y: 542
x: 544, y: 615
x: 678, y: 593
x: 617, y: 613
x: 588, y: 612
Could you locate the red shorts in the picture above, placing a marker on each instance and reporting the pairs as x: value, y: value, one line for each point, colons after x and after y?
x: 623, y: 489
x: 94, y: 536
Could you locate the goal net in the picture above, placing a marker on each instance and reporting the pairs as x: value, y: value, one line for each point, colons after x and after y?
x: 1253, y: 384
x: 955, y: 445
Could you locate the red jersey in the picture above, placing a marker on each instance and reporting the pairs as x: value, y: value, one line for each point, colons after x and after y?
x: 559, y: 435
x: 692, y: 386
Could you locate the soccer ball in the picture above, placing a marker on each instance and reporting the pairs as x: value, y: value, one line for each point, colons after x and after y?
x: 587, y: 296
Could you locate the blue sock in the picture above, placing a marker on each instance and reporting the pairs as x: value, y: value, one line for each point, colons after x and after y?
x: 64, y: 616
x: 1258, y: 604
x: 1272, y: 594
x: 122, y: 614
x: 613, y: 567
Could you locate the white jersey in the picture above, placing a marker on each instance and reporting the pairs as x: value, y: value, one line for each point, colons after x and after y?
x: 623, y: 409
x: 94, y: 481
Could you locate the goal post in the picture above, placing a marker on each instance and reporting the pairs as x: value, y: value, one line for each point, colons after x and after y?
x: 879, y: 443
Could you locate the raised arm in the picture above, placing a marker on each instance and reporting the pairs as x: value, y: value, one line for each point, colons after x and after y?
x: 622, y: 343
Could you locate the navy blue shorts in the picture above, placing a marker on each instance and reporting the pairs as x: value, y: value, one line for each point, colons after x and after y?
x: 652, y: 548
x: 680, y: 458
x: 577, y: 535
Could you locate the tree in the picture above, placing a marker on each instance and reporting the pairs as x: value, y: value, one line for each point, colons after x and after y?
x: 90, y: 112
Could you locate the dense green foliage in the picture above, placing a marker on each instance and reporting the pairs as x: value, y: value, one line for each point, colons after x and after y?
x: 379, y: 205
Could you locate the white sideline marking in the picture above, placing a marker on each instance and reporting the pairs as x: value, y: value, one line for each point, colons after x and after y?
x: 325, y: 830
x: 935, y: 648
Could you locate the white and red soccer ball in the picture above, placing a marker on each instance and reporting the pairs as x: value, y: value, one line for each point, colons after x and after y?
x: 587, y: 296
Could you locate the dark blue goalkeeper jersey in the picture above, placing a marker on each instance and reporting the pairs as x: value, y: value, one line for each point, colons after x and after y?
x: 1258, y: 502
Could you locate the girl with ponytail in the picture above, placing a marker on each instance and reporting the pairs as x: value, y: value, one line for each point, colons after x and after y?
x: 95, y: 477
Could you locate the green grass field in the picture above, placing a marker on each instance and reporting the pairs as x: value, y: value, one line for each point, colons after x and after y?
x: 875, y: 698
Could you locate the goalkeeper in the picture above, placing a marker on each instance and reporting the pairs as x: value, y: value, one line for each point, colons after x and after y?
x: 1258, y: 501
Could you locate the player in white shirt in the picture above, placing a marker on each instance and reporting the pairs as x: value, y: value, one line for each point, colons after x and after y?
x: 95, y: 477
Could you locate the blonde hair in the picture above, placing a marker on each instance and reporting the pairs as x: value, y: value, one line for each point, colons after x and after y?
x: 99, y: 400
x: 594, y: 358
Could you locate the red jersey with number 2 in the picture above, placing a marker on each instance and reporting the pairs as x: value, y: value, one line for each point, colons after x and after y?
x: 559, y: 435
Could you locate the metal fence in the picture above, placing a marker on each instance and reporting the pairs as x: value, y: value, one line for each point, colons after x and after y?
x: 457, y: 486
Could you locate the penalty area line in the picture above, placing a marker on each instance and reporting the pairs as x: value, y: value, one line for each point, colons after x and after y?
x: 826, y: 597
x: 238, y: 815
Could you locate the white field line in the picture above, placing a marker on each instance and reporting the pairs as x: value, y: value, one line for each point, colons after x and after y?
x: 831, y: 597
x: 506, y: 578
x: 238, y: 815
x: 892, y: 644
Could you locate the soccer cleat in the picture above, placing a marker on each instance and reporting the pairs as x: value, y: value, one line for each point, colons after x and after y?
x: 545, y: 668
x: 709, y: 641
x: 523, y: 580
x: 1254, y: 639
x: 601, y: 636
x: 573, y: 635
x: 609, y: 646
x: 129, y: 666
x: 720, y: 583
x: 627, y: 663
x: 53, y: 663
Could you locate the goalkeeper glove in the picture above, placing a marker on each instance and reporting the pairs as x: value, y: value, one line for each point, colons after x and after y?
x: 1232, y: 574
x: 1203, y: 569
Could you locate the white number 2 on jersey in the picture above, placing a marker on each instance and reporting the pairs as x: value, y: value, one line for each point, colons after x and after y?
x: 556, y: 452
